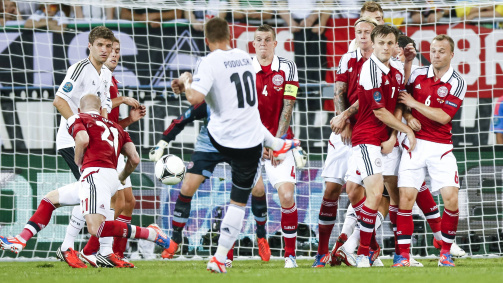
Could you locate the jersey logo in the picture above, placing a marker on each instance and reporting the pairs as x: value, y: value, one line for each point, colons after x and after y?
x: 418, y: 86
x: 442, y: 91
x: 440, y: 100
x: 451, y: 104
x: 278, y: 80
x: 94, y: 83
x: 68, y: 87
x: 378, y: 162
x: 398, y: 78
x: 377, y: 96
x: 386, y: 83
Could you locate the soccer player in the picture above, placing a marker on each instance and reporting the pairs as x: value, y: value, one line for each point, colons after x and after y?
x: 123, y: 201
x: 369, y: 9
x: 277, y: 85
x: 226, y: 80
x: 435, y: 94
x: 203, y: 162
x: 339, y: 149
x: 97, y: 156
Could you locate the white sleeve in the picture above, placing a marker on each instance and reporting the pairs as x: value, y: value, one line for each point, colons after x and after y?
x: 203, y: 78
x: 71, y: 84
x: 106, y: 102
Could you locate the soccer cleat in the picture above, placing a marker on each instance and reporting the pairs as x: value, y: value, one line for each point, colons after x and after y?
x: 264, y: 251
x: 340, y: 241
x: 157, y: 152
x: 456, y: 251
x: 228, y: 263
x: 400, y: 261
x: 112, y: 260
x: 362, y: 261
x: 378, y: 263
x: 446, y: 260
x: 344, y: 256
x: 12, y: 243
x: 171, y: 251
x: 437, y: 244
x: 321, y: 260
x: 287, y: 146
x: 373, y: 255
x: 71, y: 257
x: 215, y: 266
x: 290, y: 262
x: 161, y: 238
x: 415, y: 263
x: 91, y: 259
x: 300, y: 156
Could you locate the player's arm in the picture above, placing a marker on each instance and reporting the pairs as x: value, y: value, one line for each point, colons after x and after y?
x: 196, y: 87
x: 125, y: 100
x: 285, y: 117
x: 193, y: 96
x: 133, y: 159
x: 433, y: 113
x: 410, y: 53
x: 391, y: 121
x: 135, y: 114
x: 68, y: 88
x: 63, y: 107
x: 412, y: 122
x: 387, y: 146
x: 339, y: 122
x: 81, y: 143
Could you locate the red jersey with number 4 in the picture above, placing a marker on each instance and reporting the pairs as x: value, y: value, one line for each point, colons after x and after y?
x: 378, y: 87
x: 106, y: 139
x: 275, y: 83
x: 114, y: 93
x: 447, y: 94
x: 349, y: 72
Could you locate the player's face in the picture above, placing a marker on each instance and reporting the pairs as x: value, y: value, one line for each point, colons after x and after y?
x: 384, y: 46
x: 440, y: 54
x: 115, y: 55
x: 10, y: 7
x: 100, y: 49
x: 378, y: 16
x: 264, y: 44
x: 362, y: 32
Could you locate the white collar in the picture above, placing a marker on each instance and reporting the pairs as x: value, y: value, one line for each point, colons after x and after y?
x: 274, y: 65
x: 92, y: 112
x: 379, y: 64
x: 359, y: 54
x: 445, y: 77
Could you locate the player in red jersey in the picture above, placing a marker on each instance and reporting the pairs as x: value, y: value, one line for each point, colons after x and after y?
x: 435, y: 94
x: 98, y: 143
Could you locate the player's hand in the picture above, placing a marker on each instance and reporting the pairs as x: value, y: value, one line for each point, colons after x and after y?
x: 122, y: 179
x: 318, y: 29
x: 136, y: 114
x: 177, y: 86
x: 131, y: 102
x: 414, y: 124
x: 294, y: 26
x: 346, y: 134
x: 185, y: 78
x: 409, y: 52
x: 266, y: 153
x: 406, y: 99
x: 412, y: 141
x: 387, y: 146
x: 198, y: 26
x: 337, y: 124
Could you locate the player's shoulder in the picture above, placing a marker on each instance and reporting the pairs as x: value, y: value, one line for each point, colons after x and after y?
x: 74, y: 118
x: 79, y: 69
x: 458, y: 84
x: 396, y: 63
x: 287, y: 65
x: 370, y: 75
x: 418, y: 71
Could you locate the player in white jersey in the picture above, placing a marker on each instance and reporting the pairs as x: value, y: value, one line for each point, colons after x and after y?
x: 226, y: 80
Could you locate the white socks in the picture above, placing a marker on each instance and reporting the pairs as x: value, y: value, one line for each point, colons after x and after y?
x: 73, y: 229
x: 106, y: 242
x: 229, y: 230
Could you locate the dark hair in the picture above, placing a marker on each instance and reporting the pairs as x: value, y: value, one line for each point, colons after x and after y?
x: 371, y: 6
x: 116, y: 40
x: 217, y: 30
x: 441, y: 37
x: 403, y: 40
x: 267, y: 28
x: 383, y: 30
x: 101, y: 32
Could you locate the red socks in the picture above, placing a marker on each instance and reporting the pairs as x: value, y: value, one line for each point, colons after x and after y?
x: 393, y: 210
x: 121, y: 229
x: 429, y: 207
x: 449, y: 228
x: 39, y: 220
x: 405, y: 228
x: 92, y: 246
x: 120, y: 243
x: 326, y: 221
x: 367, y: 219
x: 289, y: 224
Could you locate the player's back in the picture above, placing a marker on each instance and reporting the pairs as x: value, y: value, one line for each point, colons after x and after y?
x: 106, y: 139
x: 235, y: 120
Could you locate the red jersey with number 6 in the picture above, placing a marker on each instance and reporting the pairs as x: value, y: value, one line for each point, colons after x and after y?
x: 275, y: 83
x: 106, y: 139
x: 447, y: 94
x: 378, y: 88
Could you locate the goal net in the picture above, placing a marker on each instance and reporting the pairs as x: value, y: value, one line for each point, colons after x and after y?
x: 155, y: 49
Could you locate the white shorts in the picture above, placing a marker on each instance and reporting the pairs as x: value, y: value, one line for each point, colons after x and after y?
x: 391, y: 162
x: 353, y: 173
x: 437, y: 158
x: 283, y: 173
x: 96, y: 188
x: 121, y: 163
x: 336, y: 164
x: 368, y: 160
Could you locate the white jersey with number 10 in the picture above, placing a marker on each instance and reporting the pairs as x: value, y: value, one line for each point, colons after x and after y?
x: 227, y: 78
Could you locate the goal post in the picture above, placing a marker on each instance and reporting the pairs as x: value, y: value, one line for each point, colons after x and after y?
x: 33, y: 62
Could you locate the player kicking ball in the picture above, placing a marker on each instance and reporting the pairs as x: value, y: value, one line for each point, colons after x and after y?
x: 434, y: 94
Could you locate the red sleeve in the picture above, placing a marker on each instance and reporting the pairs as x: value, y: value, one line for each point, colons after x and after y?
x: 452, y: 105
x: 342, y: 77
x: 75, y: 125
x: 375, y: 97
x: 126, y: 137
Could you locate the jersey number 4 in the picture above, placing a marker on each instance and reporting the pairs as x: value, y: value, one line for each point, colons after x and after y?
x: 246, y: 82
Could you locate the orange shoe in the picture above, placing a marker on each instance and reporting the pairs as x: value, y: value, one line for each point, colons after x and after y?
x: 287, y: 146
x: 340, y: 241
x: 71, y: 257
x: 170, y: 252
x: 113, y: 260
x: 12, y: 243
x: 264, y: 251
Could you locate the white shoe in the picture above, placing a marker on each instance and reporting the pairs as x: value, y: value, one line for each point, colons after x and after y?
x: 215, y: 266
x: 348, y: 258
x: 91, y: 259
x: 157, y: 152
x: 415, y: 263
x: 300, y: 157
x: 290, y: 262
x: 378, y: 263
x: 456, y: 251
x: 362, y: 261
x: 228, y: 263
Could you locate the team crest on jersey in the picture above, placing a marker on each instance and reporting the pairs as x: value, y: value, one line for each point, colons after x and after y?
x: 278, y: 80
x: 442, y: 91
x: 68, y: 87
x: 377, y: 96
x: 398, y: 78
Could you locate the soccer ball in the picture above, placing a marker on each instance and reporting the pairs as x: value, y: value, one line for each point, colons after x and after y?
x: 170, y: 169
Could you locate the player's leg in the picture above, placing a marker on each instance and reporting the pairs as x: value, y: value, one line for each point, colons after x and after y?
x: 119, y: 244
x: 259, y: 210
x: 429, y: 207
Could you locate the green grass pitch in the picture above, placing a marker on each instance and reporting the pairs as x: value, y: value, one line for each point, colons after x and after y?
x: 467, y: 270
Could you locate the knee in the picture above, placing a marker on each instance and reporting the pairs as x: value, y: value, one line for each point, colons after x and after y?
x: 53, y: 196
x: 407, y: 199
x: 258, y: 190
x: 332, y: 191
x: 354, y: 194
x: 92, y: 229
x: 130, y: 203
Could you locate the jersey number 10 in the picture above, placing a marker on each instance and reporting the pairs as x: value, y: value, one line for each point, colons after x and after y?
x: 250, y: 93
